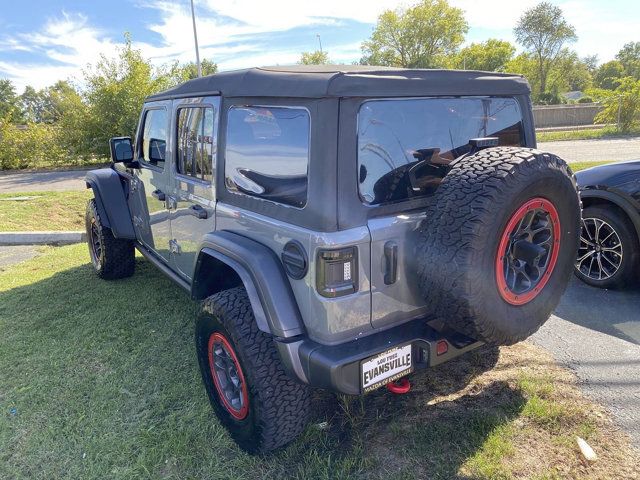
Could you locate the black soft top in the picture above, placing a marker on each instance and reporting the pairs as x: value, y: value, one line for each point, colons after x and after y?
x: 317, y: 81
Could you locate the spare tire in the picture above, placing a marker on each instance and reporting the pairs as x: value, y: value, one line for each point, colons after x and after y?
x: 497, y: 246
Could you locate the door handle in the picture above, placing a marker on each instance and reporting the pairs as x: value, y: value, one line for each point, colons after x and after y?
x: 198, y: 211
x: 158, y: 195
x: 391, y: 262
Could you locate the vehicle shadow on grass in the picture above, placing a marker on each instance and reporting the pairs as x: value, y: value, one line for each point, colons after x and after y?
x: 124, y: 351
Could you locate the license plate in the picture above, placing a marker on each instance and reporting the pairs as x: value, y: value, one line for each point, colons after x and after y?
x: 385, y: 367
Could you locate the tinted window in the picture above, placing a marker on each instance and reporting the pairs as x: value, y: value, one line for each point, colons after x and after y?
x: 196, y: 142
x: 154, y: 137
x: 405, y: 146
x: 267, y: 153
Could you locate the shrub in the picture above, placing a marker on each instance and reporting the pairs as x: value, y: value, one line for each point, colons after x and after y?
x: 621, y: 106
x: 30, y: 146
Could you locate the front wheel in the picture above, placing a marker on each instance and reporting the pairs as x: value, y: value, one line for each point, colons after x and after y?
x: 261, y: 407
x: 112, y: 258
x: 608, y: 253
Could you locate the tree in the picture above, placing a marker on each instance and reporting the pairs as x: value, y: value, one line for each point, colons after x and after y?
x: 176, y: 73
x: 32, y: 104
x: 9, y: 103
x: 491, y: 55
x: 544, y: 32
x: 115, y: 91
x: 621, y: 106
x: 608, y: 75
x: 568, y: 72
x: 629, y: 57
x: 416, y: 37
x: 314, y: 58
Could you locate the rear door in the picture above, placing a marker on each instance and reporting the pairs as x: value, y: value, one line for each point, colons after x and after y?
x: 148, y: 201
x: 192, y: 196
x: 405, y: 147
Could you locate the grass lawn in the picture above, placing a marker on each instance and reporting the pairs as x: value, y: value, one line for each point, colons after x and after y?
x: 32, y: 211
x: 587, y: 134
x: 100, y: 380
x: 577, y: 166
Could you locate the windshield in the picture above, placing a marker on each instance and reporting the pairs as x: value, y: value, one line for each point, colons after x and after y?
x: 405, y: 146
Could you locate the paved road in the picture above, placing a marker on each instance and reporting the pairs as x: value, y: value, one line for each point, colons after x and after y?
x: 596, y: 333
x: 616, y: 149
x: 37, y: 182
x: 12, y: 255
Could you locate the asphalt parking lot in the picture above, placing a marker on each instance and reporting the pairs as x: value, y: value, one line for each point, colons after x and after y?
x: 596, y: 333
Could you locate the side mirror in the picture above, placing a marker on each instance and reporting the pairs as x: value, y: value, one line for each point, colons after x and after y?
x: 121, y: 150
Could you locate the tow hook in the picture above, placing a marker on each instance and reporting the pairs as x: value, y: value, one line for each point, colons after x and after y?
x: 399, y: 387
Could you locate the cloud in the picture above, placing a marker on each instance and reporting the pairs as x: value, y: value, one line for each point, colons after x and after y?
x: 66, y: 45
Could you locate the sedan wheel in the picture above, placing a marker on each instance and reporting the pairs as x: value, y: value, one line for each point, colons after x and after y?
x: 608, y: 252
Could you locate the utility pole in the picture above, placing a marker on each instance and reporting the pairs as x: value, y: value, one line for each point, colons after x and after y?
x: 195, y: 37
x: 319, y: 41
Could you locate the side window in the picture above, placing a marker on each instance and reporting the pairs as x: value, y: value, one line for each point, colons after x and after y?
x: 267, y: 153
x: 196, y: 142
x: 154, y: 137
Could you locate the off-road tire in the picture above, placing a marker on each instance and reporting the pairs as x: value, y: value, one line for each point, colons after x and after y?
x: 115, y: 257
x: 278, y: 407
x: 628, y: 241
x: 457, y: 250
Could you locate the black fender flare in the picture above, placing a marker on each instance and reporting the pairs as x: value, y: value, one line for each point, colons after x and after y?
x: 618, y: 200
x: 274, y: 306
x: 111, y: 201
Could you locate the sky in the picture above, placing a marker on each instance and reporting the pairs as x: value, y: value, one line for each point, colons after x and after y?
x: 42, y: 41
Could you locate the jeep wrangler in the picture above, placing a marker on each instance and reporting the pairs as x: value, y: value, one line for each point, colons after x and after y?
x: 342, y: 227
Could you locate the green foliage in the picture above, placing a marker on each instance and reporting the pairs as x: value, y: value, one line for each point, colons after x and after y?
x: 314, y: 58
x: 629, y: 57
x: 416, y: 37
x: 178, y: 73
x: 491, y: 55
x: 49, y: 105
x: 31, y: 145
x: 543, y: 31
x: 608, y: 75
x: 9, y: 107
x: 116, y: 89
x: 621, y: 106
x: 568, y: 72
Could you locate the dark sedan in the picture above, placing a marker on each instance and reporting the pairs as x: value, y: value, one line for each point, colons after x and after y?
x: 609, y: 246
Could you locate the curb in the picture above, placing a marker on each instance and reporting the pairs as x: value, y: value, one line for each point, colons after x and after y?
x: 41, y: 238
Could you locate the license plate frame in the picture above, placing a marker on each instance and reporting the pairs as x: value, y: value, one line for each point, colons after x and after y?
x: 396, y: 357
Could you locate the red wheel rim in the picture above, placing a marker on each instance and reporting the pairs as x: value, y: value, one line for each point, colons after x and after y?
x: 227, y: 376
x: 528, y: 251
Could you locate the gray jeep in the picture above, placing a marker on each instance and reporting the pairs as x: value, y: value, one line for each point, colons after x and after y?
x: 342, y: 227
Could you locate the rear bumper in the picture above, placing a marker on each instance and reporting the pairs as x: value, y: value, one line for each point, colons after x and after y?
x: 337, y: 367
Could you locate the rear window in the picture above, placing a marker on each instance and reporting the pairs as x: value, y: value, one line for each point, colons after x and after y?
x: 405, y: 146
x: 267, y: 153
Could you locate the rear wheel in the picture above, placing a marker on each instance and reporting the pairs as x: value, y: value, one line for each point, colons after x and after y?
x: 259, y: 404
x: 608, y: 253
x: 112, y: 258
x: 497, y: 247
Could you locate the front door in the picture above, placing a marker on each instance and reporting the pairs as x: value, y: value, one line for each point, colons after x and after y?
x: 148, y: 199
x: 193, y: 199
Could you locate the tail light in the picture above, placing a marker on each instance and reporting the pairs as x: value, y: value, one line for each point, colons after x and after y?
x: 337, y: 272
